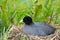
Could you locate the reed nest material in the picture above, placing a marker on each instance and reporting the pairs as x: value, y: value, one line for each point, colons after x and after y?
x: 15, y: 33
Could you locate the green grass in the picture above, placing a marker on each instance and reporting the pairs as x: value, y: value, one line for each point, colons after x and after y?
x: 12, y: 12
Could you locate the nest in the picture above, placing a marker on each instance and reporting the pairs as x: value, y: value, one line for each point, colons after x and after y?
x: 15, y: 33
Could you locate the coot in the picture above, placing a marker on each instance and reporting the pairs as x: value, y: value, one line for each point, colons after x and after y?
x: 36, y: 28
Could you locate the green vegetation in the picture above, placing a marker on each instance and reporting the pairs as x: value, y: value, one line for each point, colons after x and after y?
x: 12, y: 12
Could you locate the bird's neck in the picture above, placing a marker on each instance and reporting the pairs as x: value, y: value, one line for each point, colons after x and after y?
x: 30, y: 23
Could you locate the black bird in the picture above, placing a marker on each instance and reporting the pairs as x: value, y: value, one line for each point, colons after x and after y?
x: 36, y: 28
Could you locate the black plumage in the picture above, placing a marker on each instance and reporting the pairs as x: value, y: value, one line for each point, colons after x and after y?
x: 36, y: 28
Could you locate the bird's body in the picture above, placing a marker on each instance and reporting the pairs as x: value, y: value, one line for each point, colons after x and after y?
x: 38, y: 28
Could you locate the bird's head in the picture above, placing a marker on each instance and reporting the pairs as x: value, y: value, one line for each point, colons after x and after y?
x: 27, y: 20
